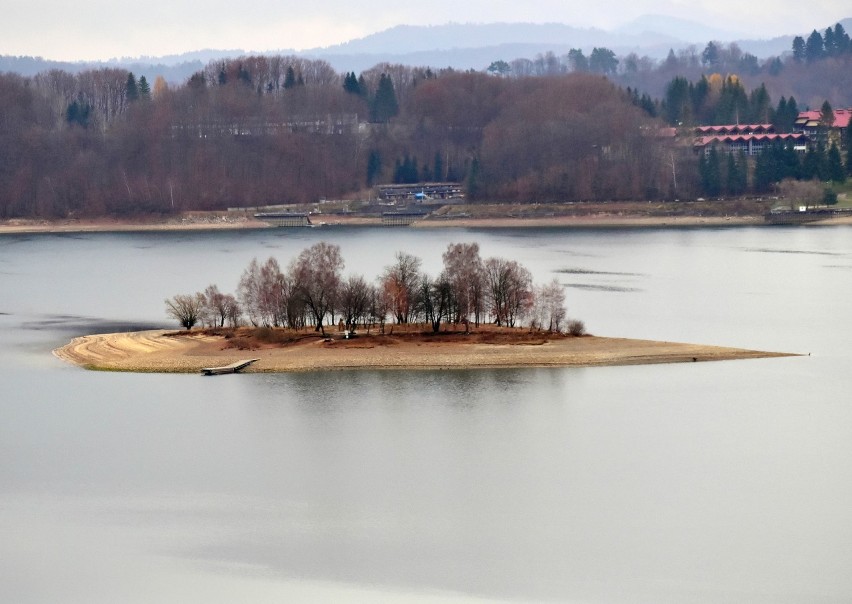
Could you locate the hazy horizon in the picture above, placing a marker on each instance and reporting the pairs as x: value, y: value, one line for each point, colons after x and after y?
x: 104, y: 30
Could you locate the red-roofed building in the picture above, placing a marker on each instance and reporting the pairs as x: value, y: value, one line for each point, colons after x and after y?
x: 749, y: 139
x: 808, y: 122
x: 735, y: 129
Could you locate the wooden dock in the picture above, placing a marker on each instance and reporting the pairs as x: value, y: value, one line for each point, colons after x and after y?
x: 232, y: 368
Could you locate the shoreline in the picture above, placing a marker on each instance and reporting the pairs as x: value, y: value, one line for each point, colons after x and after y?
x: 221, y: 222
x: 159, y: 351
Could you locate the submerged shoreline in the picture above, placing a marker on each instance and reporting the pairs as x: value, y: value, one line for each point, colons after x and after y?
x: 160, y: 351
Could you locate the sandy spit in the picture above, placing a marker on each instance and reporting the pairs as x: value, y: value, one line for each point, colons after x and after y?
x: 156, y: 351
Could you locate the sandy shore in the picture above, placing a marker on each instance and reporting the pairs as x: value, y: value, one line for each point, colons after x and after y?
x: 157, y: 351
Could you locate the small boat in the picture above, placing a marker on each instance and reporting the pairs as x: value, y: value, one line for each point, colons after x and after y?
x: 232, y: 368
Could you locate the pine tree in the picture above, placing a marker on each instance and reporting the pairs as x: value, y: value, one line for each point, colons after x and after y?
x: 350, y: 84
x: 144, y: 89
x: 473, y: 177
x: 131, y: 89
x: 712, y: 177
x: 289, y: 78
x: 737, y: 178
x: 841, y: 40
x: 799, y: 49
x: 439, y: 167
x: 374, y: 167
x: 759, y: 105
x: 814, y: 47
x: 826, y: 122
x: 779, y: 116
x: 384, y: 105
x: 835, y: 169
x: 815, y: 164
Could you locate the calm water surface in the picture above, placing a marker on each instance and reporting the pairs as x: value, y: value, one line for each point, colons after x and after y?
x: 706, y: 482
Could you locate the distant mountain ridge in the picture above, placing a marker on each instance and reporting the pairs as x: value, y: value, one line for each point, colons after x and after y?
x: 457, y: 45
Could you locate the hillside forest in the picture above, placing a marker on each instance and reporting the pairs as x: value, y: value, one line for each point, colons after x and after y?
x: 262, y: 130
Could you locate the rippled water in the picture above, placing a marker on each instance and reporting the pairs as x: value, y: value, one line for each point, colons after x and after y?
x: 707, y: 482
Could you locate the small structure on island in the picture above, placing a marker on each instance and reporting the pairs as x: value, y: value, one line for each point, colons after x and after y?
x: 285, y: 219
x: 232, y: 368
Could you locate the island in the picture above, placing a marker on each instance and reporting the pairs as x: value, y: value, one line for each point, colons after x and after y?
x: 165, y: 351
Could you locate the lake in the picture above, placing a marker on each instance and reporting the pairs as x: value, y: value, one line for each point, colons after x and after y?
x: 706, y: 482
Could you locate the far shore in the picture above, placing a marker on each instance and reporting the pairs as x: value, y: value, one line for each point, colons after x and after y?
x: 201, y: 221
x: 163, y: 351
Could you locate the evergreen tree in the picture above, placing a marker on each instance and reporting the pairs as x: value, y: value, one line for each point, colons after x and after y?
x: 473, y: 184
x: 776, y: 66
x: 603, y: 61
x: 144, y: 89
x: 792, y: 111
x: 779, y: 115
x: 78, y: 113
x: 737, y: 175
x: 243, y: 75
x: 709, y: 169
x: 677, y: 103
x: 710, y: 55
x: 791, y: 165
x: 834, y: 167
x: 841, y: 40
x: 406, y: 172
x: 578, y: 60
x: 374, y: 167
x: 384, y: 105
x: 350, y: 84
x: 131, y: 89
x: 815, y: 164
x: 799, y: 49
x: 829, y: 47
x: 289, y: 78
x: 814, y: 47
x: 648, y: 106
x: 764, y: 176
x: 732, y: 107
x: 698, y: 96
x: 759, y: 105
x: 439, y: 167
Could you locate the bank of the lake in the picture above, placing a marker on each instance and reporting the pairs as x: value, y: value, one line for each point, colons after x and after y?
x: 626, y: 214
x: 166, y: 352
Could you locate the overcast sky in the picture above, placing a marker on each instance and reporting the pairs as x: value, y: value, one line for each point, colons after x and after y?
x: 104, y: 29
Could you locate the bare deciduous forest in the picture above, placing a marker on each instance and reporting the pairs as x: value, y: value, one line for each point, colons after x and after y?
x: 266, y: 130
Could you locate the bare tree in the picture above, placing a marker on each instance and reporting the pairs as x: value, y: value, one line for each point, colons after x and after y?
x: 509, y: 290
x: 249, y: 292
x: 550, y: 305
x: 355, y: 294
x: 317, y: 279
x: 465, y: 272
x: 400, y: 282
x: 435, y: 299
x: 215, y: 308
x: 185, y: 308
